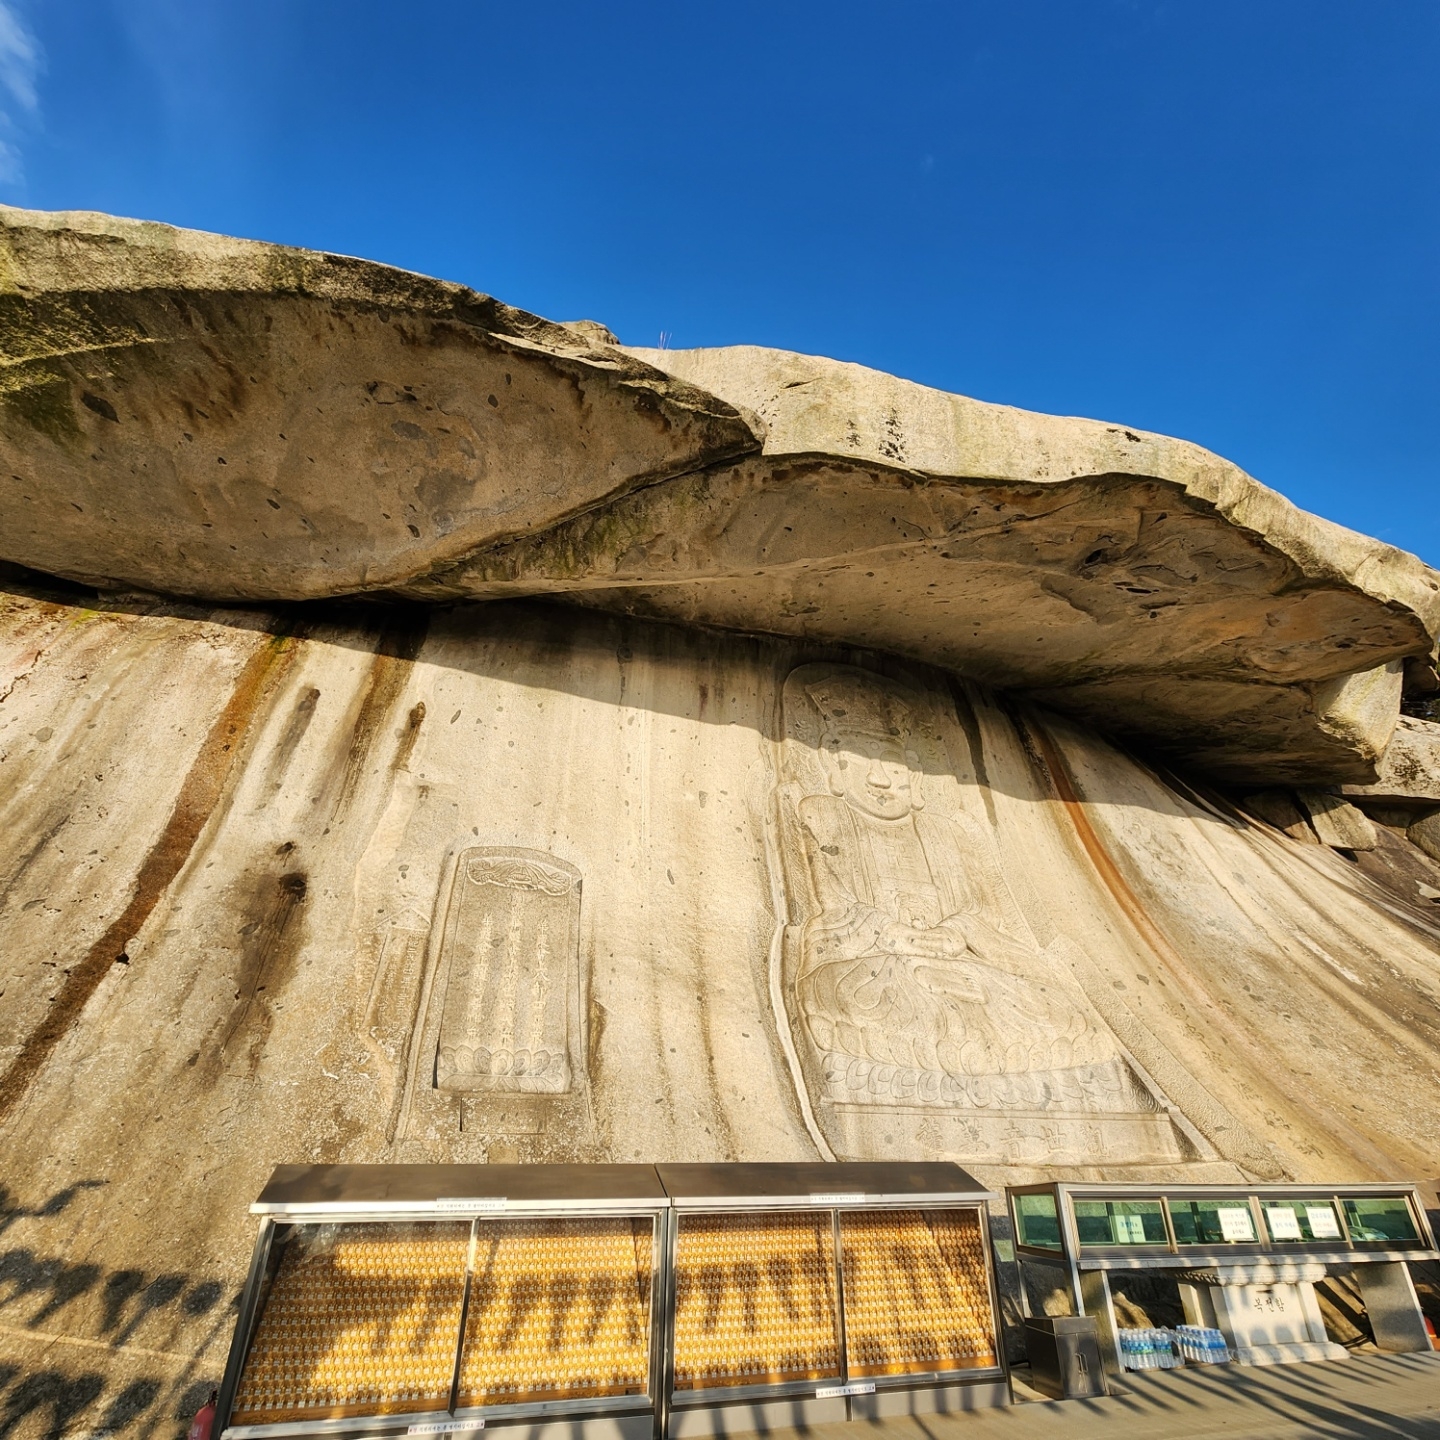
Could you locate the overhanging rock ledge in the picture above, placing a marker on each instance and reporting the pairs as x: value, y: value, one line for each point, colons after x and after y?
x: 239, y: 422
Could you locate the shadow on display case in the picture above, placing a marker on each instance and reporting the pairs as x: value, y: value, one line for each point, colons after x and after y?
x: 620, y: 1302
x: 1246, y: 1258
x: 811, y: 1293
x: 433, y: 1298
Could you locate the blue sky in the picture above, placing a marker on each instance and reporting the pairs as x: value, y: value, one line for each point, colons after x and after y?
x: 1219, y: 220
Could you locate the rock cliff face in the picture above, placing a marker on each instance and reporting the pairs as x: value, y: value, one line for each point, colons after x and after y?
x: 234, y: 421
x: 974, y: 809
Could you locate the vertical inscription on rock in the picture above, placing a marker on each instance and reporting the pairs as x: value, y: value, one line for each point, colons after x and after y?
x: 509, y: 974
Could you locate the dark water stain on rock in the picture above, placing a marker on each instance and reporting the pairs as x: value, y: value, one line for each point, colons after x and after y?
x: 409, y: 735
x: 296, y: 725
x: 401, y: 636
x: 199, y: 794
x: 271, y: 938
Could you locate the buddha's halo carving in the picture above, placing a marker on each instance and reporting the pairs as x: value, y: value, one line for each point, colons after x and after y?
x: 914, y: 991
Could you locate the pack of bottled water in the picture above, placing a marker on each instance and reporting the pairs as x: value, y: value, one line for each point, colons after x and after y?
x: 1148, y: 1350
x: 1201, y: 1345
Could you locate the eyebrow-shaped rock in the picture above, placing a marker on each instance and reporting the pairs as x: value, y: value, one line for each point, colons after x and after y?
x: 1137, y: 582
x: 231, y: 420
x: 237, y: 421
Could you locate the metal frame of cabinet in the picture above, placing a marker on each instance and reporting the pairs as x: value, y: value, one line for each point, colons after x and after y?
x: 832, y: 1191
x: 1379, y: 1263
x: 664, y: 1197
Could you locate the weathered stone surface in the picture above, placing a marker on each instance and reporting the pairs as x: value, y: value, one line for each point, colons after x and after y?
x: 202, y: 416
x: 1410, y: 768
x: 1136, y: 581
x: 1425, y: 832
x: 1281, y: 809
x: 409, y: 877
x: 1336, y: 822
x: 208, y: 417
x: 230, y: 842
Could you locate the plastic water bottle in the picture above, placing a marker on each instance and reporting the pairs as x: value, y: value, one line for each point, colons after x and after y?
x: 1148, y: 1348
x: 1202, y: 1345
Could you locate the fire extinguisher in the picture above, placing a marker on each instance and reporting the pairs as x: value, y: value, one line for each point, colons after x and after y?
x: 1430, y: 1331
x: 204, y: 1419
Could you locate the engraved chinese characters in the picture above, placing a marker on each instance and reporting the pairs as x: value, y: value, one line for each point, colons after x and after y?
x: 508, y: 1019
x: 755, y: 1300
x: 361, y: 1319
x: 911, y: 984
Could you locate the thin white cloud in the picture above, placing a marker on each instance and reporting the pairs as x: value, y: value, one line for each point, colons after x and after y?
x: 19, y: 60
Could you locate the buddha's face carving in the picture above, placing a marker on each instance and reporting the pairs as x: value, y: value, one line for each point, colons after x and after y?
x: 873, y: 774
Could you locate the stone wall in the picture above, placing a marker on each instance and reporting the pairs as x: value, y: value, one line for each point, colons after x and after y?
x: 525, y: 882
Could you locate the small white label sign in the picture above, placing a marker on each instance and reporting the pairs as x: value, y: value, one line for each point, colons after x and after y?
x: 472, y: 1202
x: 1284, y: 1223
x: 846, y: 1199
x: 446, y: 1427
x: 1323, y: 1224
x: 1129, y: 1229
x: 1235, y: 1223
x: 834, y: 1392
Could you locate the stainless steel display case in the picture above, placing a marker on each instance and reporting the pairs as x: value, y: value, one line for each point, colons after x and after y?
x: 798, y: 1294
x: 1211, y: 1237
x: 433, y: 1299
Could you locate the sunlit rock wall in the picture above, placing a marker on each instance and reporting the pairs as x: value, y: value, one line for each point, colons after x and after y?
x: 521, y: 882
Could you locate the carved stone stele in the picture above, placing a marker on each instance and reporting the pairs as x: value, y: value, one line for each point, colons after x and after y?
x: 506, y: 982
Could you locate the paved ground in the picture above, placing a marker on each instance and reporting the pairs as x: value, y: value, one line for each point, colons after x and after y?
x: 1370, y: 1396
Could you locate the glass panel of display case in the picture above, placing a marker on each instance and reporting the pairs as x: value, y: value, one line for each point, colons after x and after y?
x: 1385, y: 1217
x: 1212, y: 1222
x: 1038, y: 1220
x: 360, y: 1319
x: 1120, y: 1222
x: 1288, y: 1221
x: 755, y: 1299
x: 559, y: 1310
x: 916, y: 1294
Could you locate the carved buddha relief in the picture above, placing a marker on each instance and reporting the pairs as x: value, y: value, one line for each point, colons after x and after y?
x: 911, y: 981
